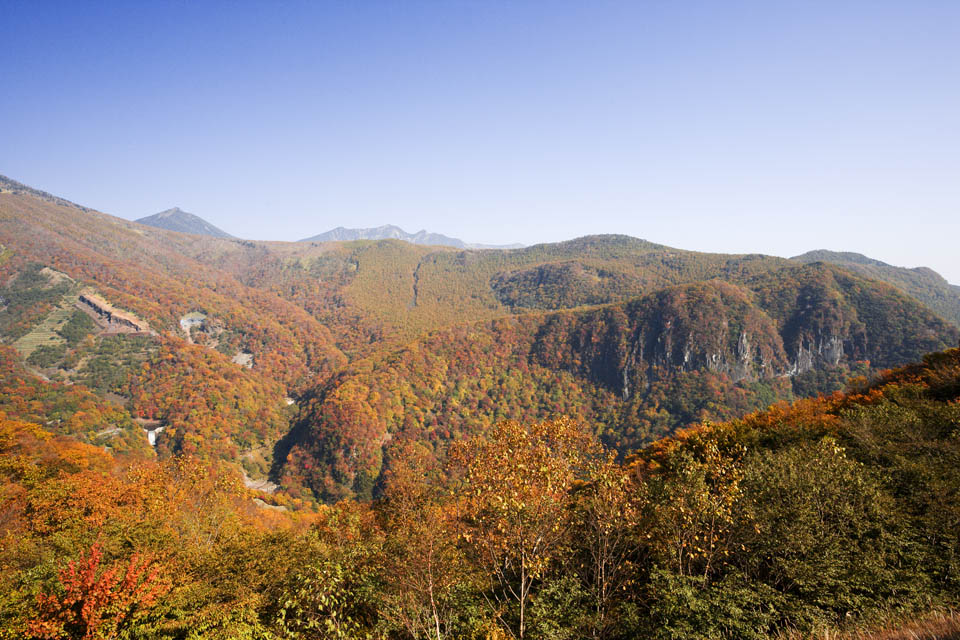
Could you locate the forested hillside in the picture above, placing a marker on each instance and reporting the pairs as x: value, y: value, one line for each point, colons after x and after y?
x: 837, y: 513
x: 634, y: 371
x: 922, y: 283
x: 306, y: 363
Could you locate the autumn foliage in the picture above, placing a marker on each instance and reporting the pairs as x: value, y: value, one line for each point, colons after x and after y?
x: 832, y: 513
x: 93, y: 602
x: 603, y: 439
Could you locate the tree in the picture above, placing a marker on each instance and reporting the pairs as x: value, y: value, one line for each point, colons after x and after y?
x: 516, y: 508
x: 334, y: 591
x: 608, y: 511
x: 423, y: 564
x: 694, y: 508
x: 95, y: 604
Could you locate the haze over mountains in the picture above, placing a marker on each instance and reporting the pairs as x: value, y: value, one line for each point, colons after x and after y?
x: 389, y: 231
x: 176, y: 219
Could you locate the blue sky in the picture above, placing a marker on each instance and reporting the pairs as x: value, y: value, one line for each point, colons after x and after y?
x: 767, y: 127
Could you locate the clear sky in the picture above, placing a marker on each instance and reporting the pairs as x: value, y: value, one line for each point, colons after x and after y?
x: 767, y: 127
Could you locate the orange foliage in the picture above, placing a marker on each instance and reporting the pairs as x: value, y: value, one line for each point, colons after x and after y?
x: 211, y: 406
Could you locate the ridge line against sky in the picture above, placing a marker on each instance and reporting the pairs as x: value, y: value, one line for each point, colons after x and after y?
x: 741, y: 127
x: 469, y: 244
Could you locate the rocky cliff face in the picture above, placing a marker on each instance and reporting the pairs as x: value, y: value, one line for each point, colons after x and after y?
x: 707, y: 326
x: 115, y: 319
x: 635, y: 370
x: 745, y: 334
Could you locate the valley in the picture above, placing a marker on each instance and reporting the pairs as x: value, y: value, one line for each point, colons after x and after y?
x: 354, y: 400
x: 385, y: 340
x: 480, y: 320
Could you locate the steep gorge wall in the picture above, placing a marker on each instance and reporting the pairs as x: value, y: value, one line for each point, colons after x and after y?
x: 707, y: 326
x: 709, y: 350
x: 775, y: 328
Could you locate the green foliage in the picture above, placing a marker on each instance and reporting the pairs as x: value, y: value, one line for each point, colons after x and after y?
x: 320, y: 602
x: 27, y: 299
x: 47, y: 355
x: 827, y: 535
x: 79, y: 326
x: 691, y: 608
x: 560, y: 610
x: 108, y: 364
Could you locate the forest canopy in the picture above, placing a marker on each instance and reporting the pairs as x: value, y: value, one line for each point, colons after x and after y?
x: 829, y: 513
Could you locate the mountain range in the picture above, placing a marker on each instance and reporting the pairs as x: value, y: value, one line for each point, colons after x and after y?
x: 306, y: 362
x: 262, y: 439
x: 922, y: 283
x: 176, y: 219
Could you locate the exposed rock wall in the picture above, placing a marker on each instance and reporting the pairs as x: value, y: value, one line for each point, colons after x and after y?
x: 114, y: 318
x: 722, y: 328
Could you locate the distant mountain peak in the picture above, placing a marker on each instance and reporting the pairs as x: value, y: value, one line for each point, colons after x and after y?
x: 176, y: 219
x: 171, y: 212
x: 393, y: 232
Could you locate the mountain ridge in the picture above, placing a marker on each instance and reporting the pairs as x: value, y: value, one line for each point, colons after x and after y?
x: 9, y: 185
x: 637, y: 337
x: 923, y: 283
x: 393, y: 232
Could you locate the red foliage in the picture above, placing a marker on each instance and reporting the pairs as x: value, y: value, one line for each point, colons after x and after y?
x: 95, y: 604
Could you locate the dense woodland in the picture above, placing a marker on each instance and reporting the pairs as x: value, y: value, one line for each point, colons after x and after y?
x: 602, y: 438
x: 833, y: 512
x: 635, y: 371
x: 922, y: 283
x: 378, y: 340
